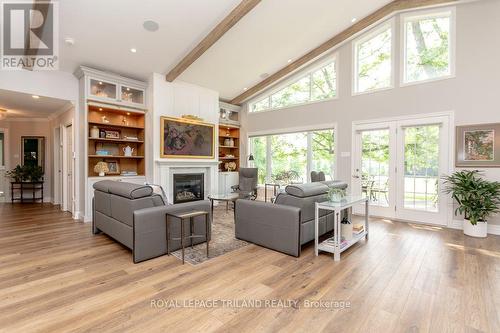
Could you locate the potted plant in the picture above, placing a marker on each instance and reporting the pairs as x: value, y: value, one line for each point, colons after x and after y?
x: 476, y: 197
x: 34, y: 173
x: 336, y: 194
x: 17, y: 174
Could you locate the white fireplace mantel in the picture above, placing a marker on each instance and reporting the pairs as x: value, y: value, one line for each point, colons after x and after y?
x: 167, y: 168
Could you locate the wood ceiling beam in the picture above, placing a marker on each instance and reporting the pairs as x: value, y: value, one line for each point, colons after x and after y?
x: 359, y: 26
x: 227, y: 23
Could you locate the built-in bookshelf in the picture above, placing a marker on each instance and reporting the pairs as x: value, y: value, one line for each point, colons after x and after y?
x: 116, y: 136
x: 229, y: 147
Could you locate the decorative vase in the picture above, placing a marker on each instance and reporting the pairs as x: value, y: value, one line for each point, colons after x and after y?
x: 94, y: 132
x: 229, y: 142
x: 479, y: 230
x: 101, y: 174
x: 346, y: 229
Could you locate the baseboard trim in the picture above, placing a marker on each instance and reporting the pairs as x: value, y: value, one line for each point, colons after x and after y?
x: 78, y: 216
x: 493, y: 229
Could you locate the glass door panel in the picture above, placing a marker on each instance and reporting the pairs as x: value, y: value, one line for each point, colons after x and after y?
x: 421, y: 168
x: 374, y: 163
x: 375, y: 166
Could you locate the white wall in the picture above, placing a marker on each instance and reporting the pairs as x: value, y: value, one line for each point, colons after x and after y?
x: 55, y: 84
x: 175, y: 99
x: 472, y: 94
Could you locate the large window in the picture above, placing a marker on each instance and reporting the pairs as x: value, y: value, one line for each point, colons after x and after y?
x: 373, y: 60
x: 258, y: 146
x: 317, y: 85
x: 290, y: 157
x: 427, y: 46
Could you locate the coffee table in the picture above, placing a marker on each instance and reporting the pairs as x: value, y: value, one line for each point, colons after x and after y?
x: 230, y: 197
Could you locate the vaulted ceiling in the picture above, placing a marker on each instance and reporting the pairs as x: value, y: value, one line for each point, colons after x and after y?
x: 261, y: 42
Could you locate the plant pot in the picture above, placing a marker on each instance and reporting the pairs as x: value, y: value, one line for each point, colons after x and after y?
x: 479, y: 230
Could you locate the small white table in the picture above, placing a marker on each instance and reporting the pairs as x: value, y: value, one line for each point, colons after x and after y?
x: 332, y: 245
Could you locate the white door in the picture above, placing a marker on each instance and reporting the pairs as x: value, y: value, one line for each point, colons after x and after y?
x: 423, y: 156
x: 374, y: 167
x: 69, y: 164
x: 398, y: 165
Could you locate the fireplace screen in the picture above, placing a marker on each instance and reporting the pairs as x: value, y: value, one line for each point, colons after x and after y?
x: 188, y: 187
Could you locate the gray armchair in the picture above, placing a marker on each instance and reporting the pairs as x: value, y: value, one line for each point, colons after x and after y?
x: 247, y: 187
x: 135, y: 217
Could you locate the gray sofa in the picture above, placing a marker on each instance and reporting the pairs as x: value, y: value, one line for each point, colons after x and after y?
x: 288, y: 223
x: 135, y: 217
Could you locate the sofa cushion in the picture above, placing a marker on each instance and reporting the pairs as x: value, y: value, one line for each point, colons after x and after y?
x: 335, y: 184
x: 124, y: 189
x: 306, y: 190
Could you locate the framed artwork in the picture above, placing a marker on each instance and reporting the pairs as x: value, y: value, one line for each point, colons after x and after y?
x: 112, y: 134
x: 478, y: 146
x: 114, y: 167
x: 186, y: 138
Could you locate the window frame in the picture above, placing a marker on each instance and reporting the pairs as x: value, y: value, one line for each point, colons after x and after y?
x: 436, y: 12
x: 379, y: 28
x: 303, y: 129
x: 332, y: 58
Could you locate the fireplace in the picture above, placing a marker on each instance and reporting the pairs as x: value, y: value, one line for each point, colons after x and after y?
x: 188, y: 187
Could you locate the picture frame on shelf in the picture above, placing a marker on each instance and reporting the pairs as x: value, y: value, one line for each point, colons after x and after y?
x: 114, y: 167
x: 478, y: 145
x: 112, y: 134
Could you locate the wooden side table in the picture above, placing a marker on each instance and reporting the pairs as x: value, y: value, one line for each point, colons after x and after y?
x: 21, y: 187
x: 187, y: 215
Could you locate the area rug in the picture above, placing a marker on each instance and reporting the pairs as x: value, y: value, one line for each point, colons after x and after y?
x: 222, y: 242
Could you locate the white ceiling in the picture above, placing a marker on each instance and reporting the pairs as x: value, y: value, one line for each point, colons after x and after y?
x: 21, y: 105
x: 262, y: 42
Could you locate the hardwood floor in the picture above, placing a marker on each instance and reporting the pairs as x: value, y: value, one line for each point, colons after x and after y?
x: 56, y: 276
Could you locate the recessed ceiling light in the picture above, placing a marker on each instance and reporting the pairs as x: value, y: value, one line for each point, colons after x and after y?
x: 70, y: 41
x: 128, y: 113
x: 289, y: 60
x: 354, y: 19
x: 151, y: 25
x: 100, y: 109
x: 35, y: 96
x: 100, y: 82
x: 133, y: 50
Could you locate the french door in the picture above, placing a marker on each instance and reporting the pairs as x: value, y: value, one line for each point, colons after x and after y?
x: 398, y: 164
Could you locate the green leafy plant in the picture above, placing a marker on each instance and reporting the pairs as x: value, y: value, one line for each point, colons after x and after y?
x: 32, y: 173
x: 17, y: 174
x: 336, y: 194
x: 477, y: 198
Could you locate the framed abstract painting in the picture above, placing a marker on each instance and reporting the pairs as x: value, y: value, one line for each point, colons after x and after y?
x: 478, y: 146
x: 186, y: 138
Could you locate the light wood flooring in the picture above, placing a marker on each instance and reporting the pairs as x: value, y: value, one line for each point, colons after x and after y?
x: 55, y: 276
